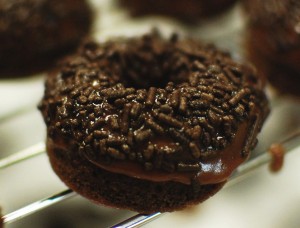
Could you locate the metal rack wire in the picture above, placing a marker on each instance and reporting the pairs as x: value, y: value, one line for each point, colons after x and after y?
x: 290, y: 143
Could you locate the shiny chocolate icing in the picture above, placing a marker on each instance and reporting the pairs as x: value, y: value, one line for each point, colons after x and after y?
x: 213, y: 170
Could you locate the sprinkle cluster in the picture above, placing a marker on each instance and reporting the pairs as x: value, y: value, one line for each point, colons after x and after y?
x: 165, y: 104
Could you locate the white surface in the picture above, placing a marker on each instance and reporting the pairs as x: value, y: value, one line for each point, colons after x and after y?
x: 263, y: 200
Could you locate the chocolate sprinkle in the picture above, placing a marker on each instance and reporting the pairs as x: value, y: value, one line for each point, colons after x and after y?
x: 125, y: 119
x: 135, y: 110
x: 183, y: 104
x: 174, y: 98
x: 182, y: 167
x: 239, y: 96
x: 154, y: 126
x: 178, y: 136
x: 169, y: 120
x: 195, y: 150
x: 153, y: 102
x: 115, y: 153
x: 142, y: 135
x: 151, y: 96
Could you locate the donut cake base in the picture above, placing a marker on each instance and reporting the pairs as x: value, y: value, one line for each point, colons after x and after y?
x: 122, y: 191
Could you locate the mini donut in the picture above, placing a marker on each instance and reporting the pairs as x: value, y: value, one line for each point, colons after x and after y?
x: 189, y: 10
x: 273, y: 41
x: 150, y: 124
x: 34, y: 33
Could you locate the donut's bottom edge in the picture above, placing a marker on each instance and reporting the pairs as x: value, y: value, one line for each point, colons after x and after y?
x: 124, y: 192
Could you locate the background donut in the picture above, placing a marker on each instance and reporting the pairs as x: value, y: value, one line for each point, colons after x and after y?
x: 189, y: 10
x: 34, y: 33
x: 273, y: 41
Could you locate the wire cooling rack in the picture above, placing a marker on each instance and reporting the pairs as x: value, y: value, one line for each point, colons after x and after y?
x: 289, y: 144
x: 113, y: 22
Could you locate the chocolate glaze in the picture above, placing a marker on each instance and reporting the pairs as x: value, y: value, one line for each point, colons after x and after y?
x: 172, y: 107
x: 213, y: 170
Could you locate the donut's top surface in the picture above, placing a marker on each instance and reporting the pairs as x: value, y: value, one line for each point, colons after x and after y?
x: 35, y: 30
x: 163, y: 105
x: 277, y: 20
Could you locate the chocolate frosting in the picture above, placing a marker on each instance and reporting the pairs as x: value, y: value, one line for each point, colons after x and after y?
x: 213, y: 170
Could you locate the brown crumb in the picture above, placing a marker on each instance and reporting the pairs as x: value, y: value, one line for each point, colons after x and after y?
x: 277, y: 152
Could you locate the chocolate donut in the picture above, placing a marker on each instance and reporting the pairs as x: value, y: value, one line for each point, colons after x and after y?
x: 273, y: 41
x: 150, y: 124
x: 34, y: 33
x: 189, y: 10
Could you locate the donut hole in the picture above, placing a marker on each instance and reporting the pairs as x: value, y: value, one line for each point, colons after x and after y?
x: 156, y: 72
x: 153, y: 64
x: 144, y: 75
